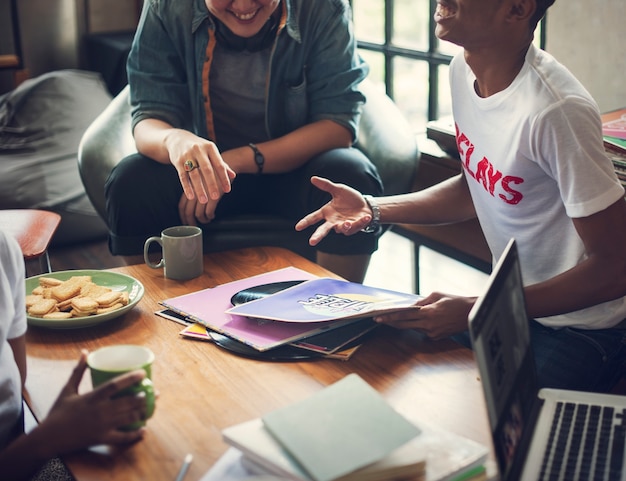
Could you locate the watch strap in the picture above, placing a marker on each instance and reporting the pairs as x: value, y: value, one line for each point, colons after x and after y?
x: 375, y: 222
x: 259, y: 159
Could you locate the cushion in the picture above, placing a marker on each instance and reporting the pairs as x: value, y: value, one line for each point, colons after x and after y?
x: 41, y: 124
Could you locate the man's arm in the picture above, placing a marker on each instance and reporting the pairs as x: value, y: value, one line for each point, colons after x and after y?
x: 348, y: 212
x: 444, y: 203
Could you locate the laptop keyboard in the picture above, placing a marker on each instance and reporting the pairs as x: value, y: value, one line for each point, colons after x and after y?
x: 586, y: 443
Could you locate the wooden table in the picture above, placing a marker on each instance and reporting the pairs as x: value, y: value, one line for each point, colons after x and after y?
x: 204, y: 389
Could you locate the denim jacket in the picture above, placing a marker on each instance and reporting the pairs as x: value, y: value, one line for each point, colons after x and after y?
x: 314, y: 67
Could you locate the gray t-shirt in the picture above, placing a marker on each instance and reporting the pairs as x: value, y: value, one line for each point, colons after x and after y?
x: 237, y: 89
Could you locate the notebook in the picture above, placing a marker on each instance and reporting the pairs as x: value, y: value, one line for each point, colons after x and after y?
x: 536, y: 432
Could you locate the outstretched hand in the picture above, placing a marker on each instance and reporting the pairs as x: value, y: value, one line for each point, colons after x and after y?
x: 94, y: 418
x: 346, y: 213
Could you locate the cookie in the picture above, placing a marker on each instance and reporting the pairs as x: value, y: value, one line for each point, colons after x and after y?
x: 49, y: 282
x: 114, y: 307
x: 65, y: 291
x: 94, y: 290
x: 32, y: 299
x: 109, y: 298
x: 42, y: 307
x: 58, y: 315
x: 86, y: 305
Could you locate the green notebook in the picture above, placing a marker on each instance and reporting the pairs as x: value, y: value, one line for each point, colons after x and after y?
x: 340, y: 429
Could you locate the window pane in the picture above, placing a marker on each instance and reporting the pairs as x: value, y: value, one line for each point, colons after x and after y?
x: 376, y: 62
x: 537, y: 37
x: 444, y: 101
x: 410, y: 24
x: 447, y: 48
x: 369, y: 20
x: 409, y: 78
x: 411, y: 90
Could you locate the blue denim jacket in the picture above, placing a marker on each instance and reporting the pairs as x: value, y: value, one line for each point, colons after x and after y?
x: 314, y: 66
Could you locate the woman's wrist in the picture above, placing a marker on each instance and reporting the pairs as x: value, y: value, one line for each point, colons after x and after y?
x: 259, y: 158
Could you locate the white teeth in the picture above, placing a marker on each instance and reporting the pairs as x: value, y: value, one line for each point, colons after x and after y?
x: 247, y: 16
x: 443, y: 11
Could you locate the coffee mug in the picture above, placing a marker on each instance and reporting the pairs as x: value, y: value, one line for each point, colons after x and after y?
x: 182, y: 252
x: 111, y: 361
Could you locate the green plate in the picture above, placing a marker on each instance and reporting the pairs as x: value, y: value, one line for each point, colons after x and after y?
x: 113, y: 280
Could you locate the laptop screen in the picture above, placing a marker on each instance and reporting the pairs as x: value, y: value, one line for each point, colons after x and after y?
x: 501, y: 342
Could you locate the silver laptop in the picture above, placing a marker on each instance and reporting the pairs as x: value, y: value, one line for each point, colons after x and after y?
x: 547, y: 434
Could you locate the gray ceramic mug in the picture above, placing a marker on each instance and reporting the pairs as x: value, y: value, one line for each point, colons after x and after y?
x: 182, y: 252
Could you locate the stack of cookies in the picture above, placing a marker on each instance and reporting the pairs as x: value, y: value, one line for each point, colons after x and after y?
x: 77, y: 296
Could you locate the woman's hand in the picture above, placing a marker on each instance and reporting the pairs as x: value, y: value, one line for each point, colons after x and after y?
x: 346, y: 213
x: 203, y: 173
x: 193, y: 212
x: 438, y: 315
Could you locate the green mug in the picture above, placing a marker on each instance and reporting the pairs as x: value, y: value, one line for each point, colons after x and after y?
x: 111, y: 361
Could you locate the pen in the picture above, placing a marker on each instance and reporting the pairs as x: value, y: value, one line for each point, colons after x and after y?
x: 184, y: 467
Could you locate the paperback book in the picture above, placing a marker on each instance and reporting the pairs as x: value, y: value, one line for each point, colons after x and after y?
x: 348, y: 432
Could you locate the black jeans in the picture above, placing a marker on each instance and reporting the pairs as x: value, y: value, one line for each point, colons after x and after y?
x: 142, y: 198
x: 577, y: 359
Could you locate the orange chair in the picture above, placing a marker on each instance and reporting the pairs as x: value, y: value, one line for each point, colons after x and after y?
x: 33, y: 230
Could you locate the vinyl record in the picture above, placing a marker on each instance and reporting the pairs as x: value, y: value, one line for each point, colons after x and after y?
x: 258, y: 292
x: 280, y: 353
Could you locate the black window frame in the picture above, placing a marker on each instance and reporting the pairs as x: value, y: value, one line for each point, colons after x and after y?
x: 432, y: 56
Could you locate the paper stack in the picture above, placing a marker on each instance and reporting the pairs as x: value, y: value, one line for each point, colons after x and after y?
x: 348, y: 432
x: 614, y: 134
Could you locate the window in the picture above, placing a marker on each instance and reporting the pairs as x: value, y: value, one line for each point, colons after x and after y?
x: 396, y: 38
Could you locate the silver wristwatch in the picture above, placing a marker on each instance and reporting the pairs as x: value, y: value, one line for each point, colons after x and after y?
x: 375, y: 223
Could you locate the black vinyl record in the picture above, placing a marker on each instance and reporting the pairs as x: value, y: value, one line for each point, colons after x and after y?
x: 258, y: 292
x: 280, y: 353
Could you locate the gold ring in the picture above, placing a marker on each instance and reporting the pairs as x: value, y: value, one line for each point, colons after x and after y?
x: 190, y: 165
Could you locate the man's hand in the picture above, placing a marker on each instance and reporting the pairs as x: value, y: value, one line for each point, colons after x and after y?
x: 438, y: 315
x: 346, y: 213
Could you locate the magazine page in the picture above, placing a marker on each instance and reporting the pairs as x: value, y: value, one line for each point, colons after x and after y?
x: 325, y: 299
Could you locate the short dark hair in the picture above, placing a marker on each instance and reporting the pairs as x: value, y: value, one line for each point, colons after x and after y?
x: 542, y: 6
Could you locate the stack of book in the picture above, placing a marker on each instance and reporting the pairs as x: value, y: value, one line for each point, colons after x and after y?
x: 348, y: 432
x: 314, y: 317
x: 614, y: 134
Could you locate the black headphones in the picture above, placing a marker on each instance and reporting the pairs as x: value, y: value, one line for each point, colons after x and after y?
x: 259, y: 41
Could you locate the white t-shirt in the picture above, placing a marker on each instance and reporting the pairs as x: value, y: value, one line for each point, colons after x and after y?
x: 12, y: 325
x: 533, y: 157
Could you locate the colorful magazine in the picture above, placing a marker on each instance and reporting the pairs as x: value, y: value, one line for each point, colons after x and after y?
x: 614, y: 124
x: 324, y: 299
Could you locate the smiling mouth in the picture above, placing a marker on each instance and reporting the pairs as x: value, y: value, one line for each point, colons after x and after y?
x: 245, y: 16
x: 444, y: 11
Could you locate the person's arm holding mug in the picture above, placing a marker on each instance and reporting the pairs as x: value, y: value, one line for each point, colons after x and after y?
x: 75, y: 421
